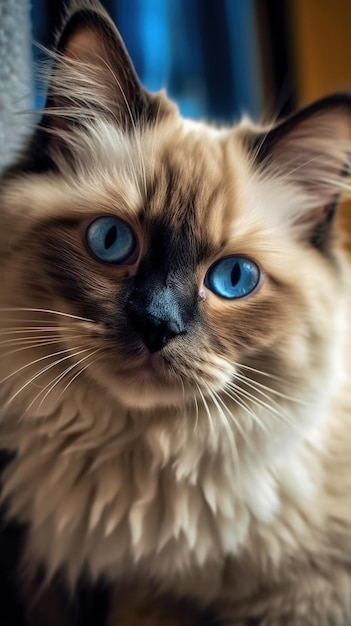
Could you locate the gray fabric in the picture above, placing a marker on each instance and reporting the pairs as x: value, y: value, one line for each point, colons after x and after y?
x: 15, y: 76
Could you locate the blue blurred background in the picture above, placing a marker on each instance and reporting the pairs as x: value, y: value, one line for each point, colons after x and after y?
x: 217, y: 58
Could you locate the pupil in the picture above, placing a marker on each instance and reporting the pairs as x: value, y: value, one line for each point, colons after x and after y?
x: 110, y: 237
x: 236, y: 274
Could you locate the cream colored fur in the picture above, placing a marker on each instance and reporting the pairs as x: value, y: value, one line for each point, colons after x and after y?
x: 240, y: 498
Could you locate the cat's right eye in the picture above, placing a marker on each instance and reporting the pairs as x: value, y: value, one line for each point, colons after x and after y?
x: 111, y: 240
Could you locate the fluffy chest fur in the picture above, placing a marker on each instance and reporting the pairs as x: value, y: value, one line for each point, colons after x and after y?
x: 116, y: 492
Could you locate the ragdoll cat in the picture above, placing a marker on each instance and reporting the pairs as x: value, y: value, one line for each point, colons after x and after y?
x: 174, y: 344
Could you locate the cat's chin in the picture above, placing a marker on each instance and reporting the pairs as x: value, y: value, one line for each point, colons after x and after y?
x: 145, y: 383
x: 142, y: 389
x: 145, y: 397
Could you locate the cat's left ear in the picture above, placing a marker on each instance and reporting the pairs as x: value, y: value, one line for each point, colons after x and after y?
x: 310, y: 152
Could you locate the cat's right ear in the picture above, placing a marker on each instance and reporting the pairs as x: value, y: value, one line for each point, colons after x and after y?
x: 92, y: 77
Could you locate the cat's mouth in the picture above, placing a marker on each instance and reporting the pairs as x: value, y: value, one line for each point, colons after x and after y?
x: 152, y: 369
x: 146, y: 382
x: 147, y: 369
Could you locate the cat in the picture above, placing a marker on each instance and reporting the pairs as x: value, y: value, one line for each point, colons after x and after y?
x: 174, y: 373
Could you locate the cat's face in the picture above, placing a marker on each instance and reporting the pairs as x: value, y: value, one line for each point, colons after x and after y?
x: 200, y: 259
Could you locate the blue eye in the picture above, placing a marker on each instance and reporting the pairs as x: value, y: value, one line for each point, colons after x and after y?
x: 233, y: 277
x: 111, y: 240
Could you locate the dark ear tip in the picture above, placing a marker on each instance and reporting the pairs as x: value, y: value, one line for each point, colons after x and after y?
x: 79, y: 14
x: 88, y: 7
x: 330, y: 102
x: 339, y: 98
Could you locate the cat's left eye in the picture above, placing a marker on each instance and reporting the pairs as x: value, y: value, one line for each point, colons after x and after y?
x: 111, y: 240
x: 233, y: 277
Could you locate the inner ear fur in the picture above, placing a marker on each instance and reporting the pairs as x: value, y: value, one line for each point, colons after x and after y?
x: 91, y: 48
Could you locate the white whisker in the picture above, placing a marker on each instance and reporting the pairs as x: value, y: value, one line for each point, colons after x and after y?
x: 237, y: 423
x: 225, y: 423
x: 52, y: 384
x: 33, y: 340
x: 208, y: 413
x: 235, y: 395
x: 278, y: 414
x: 37, y: 344
x: 49, y: 311
x: 43, y: 370
x: 196, y: 413
x: 23, y: 367
x: 250, y: 382
x: 80, y: 371
x: 34, y: 329
x: 257, y: 371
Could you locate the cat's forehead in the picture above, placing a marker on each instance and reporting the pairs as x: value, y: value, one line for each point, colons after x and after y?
x: 193, y: 180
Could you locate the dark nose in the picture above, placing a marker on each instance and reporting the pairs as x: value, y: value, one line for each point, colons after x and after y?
x: 155, y: 332
x: 157, y: 319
